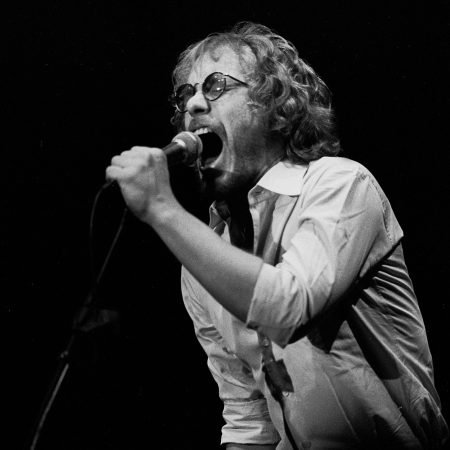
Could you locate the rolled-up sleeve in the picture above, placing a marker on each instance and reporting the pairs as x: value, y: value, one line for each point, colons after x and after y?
x: 245, y: 412
x: 342, y: 227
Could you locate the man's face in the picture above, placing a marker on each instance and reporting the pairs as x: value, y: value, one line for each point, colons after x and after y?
x: 246, y: 151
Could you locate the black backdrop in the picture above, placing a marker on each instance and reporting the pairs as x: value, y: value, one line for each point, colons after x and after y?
x: 85, y: 80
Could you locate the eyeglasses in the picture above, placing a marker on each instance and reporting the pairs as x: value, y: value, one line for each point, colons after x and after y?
x: 213, y: 87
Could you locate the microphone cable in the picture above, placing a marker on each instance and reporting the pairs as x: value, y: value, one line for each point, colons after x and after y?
x: 96, y: 279
x: 81, y: 317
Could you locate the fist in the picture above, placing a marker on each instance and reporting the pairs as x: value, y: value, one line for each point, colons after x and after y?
x: 143, y: 177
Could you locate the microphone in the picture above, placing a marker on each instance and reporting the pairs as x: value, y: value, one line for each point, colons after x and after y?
x: 185, y: 148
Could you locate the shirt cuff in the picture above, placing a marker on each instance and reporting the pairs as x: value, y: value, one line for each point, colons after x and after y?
x: 280, y: 288
x: 248, y: 422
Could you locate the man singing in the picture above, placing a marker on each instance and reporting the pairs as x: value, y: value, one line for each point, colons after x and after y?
x: 298, y: 289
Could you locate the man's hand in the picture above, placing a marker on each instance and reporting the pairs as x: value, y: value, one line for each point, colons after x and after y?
x: 143, y: 177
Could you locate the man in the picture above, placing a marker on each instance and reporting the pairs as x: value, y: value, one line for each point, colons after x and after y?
x: 298, y: 289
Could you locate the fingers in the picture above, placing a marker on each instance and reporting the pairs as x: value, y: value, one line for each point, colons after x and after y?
x: 120, y: 173
x: 131, y: 162
x: 136, y: 154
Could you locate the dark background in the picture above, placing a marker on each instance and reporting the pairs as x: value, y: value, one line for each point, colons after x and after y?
x: 83, y: 81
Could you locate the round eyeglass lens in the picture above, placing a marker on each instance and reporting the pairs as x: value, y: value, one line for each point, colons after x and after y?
x: 214, y: 86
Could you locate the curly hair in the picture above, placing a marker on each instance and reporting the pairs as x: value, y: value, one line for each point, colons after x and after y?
x: 295, y: 101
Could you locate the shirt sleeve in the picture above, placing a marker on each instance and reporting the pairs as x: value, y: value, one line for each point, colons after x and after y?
x: 344, y: 225
x: 245, y: 412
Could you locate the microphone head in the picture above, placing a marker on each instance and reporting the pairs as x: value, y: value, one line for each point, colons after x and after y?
x: 191, y: 144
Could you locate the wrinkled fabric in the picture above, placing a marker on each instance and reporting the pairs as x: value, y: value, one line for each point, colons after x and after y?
x: 335, y: 298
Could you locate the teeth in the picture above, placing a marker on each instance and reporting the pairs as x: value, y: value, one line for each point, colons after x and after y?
x: 203, y: 130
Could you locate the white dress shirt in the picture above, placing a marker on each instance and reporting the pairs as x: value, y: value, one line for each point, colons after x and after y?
x: 335, y: 299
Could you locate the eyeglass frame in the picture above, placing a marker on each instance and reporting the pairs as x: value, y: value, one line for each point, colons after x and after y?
x: 173, y: 97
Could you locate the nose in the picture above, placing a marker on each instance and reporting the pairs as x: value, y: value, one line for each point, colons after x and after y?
x: 197, y: 104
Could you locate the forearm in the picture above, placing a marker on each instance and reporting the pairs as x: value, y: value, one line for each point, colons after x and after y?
x: 228, y: 273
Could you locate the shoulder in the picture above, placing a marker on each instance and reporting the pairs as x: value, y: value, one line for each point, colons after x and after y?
x: 338, y: 171
x: 337, y: 179
x: 347, y: 182
x: 337, y: 164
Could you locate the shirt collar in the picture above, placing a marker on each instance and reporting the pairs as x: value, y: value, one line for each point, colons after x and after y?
x: 284, y: 178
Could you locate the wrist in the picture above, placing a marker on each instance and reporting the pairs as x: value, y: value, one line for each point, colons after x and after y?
x: 162, y: 213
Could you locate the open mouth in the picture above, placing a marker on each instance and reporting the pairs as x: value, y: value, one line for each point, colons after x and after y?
x: 212, y: 146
